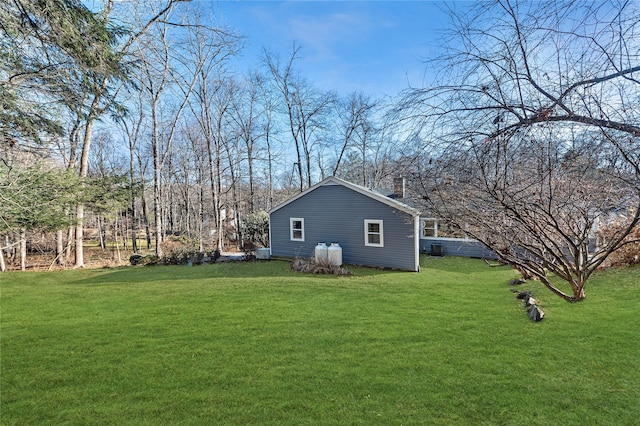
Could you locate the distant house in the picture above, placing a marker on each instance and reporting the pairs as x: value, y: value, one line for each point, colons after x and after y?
x: 371, y: 228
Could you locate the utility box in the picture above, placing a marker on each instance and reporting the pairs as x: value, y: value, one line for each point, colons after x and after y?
x: 263, y: 253
x: 437, y: 250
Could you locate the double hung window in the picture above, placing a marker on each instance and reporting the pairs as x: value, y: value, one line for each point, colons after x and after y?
x: 296, y: 228
x: 373, y: 233
x: 434, y: 228
x: 429, y: 228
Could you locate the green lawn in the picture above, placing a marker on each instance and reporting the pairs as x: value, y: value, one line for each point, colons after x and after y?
x: 255, y: 343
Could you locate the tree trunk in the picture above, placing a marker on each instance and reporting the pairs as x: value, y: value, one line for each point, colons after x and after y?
x: 59, y: 247
x: 251, y: 183
x: 270, y: 169
x: 84, y: 169
x: 214, y: 179
x: 118, y: 258
x: 201, y: 221
x: 125, y: 234
x: 145, y: 219
x: 3, y: 266
x: 234, y: 198
x: 102, y: 233
x: 157, y: 177
x: 79, y: 261
x: 577, y: 296
x: 157, y: 210
x: 23, y: 249
x: 134, y: 229
x: 67, y: 247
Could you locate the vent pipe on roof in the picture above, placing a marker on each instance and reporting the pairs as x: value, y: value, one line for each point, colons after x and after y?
x: 398, y: 187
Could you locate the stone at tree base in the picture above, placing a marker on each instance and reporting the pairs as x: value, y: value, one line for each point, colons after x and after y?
x: 535, y: 314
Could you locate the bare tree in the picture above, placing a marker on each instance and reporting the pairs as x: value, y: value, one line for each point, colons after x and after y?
x: 536, y: 201
x: 103, y: 96
x: 133, y: 127
x: 173, y: 73
x: 355, y: 115
x: 156, y: 76
x: 246, y: 116
x: 208, y: 50
x: 306, y: 110
x: 268, y: 102
x: 534, y: 124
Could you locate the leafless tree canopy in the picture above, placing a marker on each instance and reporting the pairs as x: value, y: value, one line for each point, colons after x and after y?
x: 534, y: 126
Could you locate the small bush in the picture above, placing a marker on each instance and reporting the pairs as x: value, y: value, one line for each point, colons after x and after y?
x: 625, y: 256
x: 149, y: 259
x: 628, y: 254
x: 249, y: 250
x: 255, y: 227
x: 178, y: 250
x: 310, y: 266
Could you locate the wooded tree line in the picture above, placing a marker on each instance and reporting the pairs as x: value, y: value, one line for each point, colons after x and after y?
x: 526, y: 138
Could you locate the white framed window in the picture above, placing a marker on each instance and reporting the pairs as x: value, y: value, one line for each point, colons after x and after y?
x: 429, y: 228
x: 434, y: 228
x: 373, y: 233
x: 296, y: 228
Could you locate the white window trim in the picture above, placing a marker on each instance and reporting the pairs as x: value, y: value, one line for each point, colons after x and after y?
x: 435, y: 232
x: 291, y: 229
x: 366, y: 232
x: 435, y: 227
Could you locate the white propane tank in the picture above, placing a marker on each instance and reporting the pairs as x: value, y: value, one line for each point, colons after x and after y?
x: 335, y: 254
x: 321, y: 252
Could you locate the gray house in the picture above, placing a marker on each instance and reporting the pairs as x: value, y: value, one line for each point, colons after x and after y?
x: 371, y: 228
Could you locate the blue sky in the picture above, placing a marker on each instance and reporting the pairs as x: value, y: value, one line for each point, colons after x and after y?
x: 371, y: 46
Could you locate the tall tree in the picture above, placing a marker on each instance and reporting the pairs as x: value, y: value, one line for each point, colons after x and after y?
x: 269, y: 103
x: 245, y: 116
x: 51, y: 52
x: 306, y: 109
x: 156, y: 66
x: 45, y: 46
x: 524, y: 87
x: 355, y: 115
x: 208, y: 51
x: 101, y: 85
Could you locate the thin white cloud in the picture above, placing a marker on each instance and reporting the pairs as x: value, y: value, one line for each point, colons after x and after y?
x: 346, y: 45
x: 323, y: 35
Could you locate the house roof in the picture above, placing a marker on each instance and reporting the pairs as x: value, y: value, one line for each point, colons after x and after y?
x: 332, y: 180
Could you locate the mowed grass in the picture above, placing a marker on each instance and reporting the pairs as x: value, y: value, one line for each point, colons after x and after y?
x: 256, y: 343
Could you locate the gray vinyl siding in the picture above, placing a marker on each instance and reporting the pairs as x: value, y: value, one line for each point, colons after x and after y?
x: 454, y: 247
x: 335, y: 213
